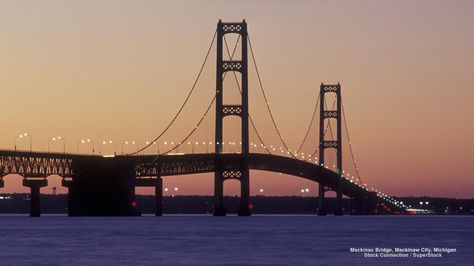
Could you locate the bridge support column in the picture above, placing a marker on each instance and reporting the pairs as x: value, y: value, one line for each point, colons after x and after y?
x: 321, y: 209
x: 157, y: 183
x: 66, y: 182
x: 244, y: 208
x: 2, y: 183
x: 339, y: 209
x: 324, y: 143
x: 219, y: 209
x: 35, y: 185
x: 241, y: 110
x: 159, y: 197
x: 364, y: 205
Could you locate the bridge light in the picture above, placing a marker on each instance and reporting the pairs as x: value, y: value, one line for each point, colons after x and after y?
x: 261, y: 190
x: 175, y: 188
x: 306, y: 190
x: 166, y: 189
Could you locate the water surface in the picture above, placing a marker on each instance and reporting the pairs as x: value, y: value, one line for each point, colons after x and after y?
x: 207, y: 240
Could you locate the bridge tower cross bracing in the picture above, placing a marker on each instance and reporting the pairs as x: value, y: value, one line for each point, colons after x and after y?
x: 241, y: 110
x: 324, y: 143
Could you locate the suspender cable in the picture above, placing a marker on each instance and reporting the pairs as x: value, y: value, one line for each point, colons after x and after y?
x: 190, y: 133
x: 328, y: 126
x: 240, y: 90
x: 185, y: 101
x: 310, y: 124
x: 205, y: 113
x: 266, y: 101
x: 350, y: 143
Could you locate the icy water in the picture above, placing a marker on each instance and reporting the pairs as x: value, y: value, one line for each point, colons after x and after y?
x: 205, y: 240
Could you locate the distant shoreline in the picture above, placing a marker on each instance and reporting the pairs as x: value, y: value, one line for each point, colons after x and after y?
x: 19, y: 203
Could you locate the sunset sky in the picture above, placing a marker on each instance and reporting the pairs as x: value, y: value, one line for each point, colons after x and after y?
x: 119, y: 70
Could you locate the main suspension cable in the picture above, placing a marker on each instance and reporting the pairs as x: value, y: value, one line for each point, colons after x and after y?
x: 310, y: 124
x: 192, y: 131
x: 185, y: 101
x: 266, y: 101
x: 328, y: 126
x: 350, y: 143
x: 203, y: 116
x: 240, y: 90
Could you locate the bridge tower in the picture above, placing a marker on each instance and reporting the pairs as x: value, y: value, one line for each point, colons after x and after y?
x: 330, y: 144
x: 222, y: 110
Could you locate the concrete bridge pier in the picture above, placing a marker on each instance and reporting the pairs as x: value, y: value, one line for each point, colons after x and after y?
x: 365, y: 205
x: 103, y: 186
x: 339, y: 211
x: 66, y: 182
x: 35, y: 185
x: 219, y: 209
x: 245, y: 208
x: 159, y: 197
x: 321, y: 208
x: 2, y: 183
x: 157, y: 183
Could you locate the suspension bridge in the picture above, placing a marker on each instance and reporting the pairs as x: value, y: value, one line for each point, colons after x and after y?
x: 105, y: 185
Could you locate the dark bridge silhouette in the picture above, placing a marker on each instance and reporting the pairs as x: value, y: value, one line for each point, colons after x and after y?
x: 122, y: 173
x: 106, y: 185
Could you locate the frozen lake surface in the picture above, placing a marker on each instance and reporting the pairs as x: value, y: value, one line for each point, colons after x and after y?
x: 206, y: 240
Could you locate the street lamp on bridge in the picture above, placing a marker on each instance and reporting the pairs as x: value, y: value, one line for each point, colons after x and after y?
x: 21, y: 136
x: 58, y: 138
x: 105, y: 142
x: 85, y: 141
x: 131, y: 143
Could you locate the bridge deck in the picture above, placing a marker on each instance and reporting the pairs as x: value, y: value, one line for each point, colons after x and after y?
x: 41, y: 164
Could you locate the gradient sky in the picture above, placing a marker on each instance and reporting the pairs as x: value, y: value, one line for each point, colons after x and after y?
x: 119, y: 70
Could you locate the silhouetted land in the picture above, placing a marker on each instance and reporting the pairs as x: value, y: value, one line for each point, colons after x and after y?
x: 20, y: 203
